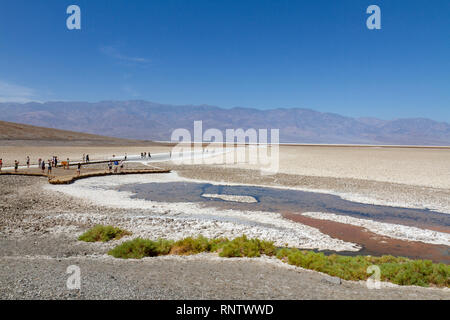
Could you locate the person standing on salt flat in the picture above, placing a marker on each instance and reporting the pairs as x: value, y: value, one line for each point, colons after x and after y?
x: 49, y: 167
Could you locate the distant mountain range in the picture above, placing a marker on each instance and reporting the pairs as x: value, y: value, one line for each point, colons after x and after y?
x: 153, y: 121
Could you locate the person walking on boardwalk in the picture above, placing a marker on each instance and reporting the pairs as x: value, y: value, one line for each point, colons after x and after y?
x: 126, y: 156
x: 28, y: 162
x: 16, y: 165
x: 1, y: 164
x: 49, y: 167
x: 110, y: 166
x: 87, y: 158
x: 39, y: 162
x: 42, y: 166
x: 79, y: 169
x: 120, y: 166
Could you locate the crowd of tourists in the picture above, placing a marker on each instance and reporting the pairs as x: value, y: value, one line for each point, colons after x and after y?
x: 113, y: 165
x: 49, y: 164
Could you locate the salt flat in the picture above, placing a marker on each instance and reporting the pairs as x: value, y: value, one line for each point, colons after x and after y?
x: 429, y: 167
x: 10, y: 153
x: 30, y: 210
x: 394, y: 176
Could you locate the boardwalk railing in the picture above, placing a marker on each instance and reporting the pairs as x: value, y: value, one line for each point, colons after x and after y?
x: 70, y: 178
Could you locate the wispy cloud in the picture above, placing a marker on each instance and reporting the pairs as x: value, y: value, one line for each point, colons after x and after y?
x: 113, y: 52
x: 15, y: 93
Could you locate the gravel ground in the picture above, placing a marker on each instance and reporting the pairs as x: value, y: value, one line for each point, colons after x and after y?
x: 196, y: 277
x: 35, y: 252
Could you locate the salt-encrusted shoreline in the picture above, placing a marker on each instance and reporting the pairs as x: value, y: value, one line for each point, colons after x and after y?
x: 33, y: 211
x: 354, y: 197
x: 178, y: 220
x: 361, y: 191
x: 212, y: 222
x: 232, y: 198
x: 395, y: 231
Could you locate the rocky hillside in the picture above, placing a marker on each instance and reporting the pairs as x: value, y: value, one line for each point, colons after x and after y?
x: 153, y: 121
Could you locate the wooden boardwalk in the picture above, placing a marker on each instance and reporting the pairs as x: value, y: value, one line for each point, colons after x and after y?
x: 61, y: 176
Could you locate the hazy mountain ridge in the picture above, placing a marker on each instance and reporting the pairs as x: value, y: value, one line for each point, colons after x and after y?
x: 154, y: 121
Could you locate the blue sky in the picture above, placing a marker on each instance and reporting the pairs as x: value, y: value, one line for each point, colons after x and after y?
x: 262, y: 54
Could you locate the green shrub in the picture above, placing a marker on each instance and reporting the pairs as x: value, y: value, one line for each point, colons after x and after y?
x: 416, y: 272
x: 192, y: 246
x: 103, y: 234
x: 244, y: 247
x: 164, y: 246
x: 283, y: 253
x: 139, y: 248
x: 397, y: 270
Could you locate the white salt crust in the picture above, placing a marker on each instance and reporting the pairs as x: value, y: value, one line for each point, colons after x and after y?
x: 213, y: 222
x: 232, y: 198
x: 387, y: 229
x: 177, y: 220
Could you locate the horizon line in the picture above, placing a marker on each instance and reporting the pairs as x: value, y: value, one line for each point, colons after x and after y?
x: 223, y: 108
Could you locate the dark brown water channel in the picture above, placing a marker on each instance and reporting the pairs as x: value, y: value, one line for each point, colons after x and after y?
x: 291, y: 203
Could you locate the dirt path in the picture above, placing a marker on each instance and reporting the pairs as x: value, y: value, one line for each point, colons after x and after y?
x: 66, y: 176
